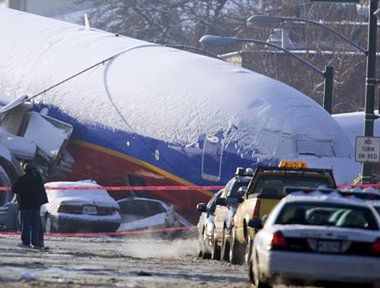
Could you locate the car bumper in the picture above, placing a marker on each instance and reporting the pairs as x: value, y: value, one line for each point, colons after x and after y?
x: 85, y: 223
x: 311, y: 267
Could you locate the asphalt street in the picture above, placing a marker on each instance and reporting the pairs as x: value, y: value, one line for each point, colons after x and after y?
x: 114, y: 262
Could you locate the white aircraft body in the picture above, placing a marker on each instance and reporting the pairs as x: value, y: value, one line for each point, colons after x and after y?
x: 150, y: 115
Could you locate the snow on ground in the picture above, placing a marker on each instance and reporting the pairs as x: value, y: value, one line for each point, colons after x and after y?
x: 117, y: 262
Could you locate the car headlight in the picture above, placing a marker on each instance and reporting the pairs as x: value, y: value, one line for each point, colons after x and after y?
x: 210, y: 228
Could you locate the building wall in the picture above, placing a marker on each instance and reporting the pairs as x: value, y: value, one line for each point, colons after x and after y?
x: 49, y: 8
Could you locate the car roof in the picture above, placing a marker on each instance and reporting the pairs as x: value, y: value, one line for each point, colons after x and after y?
x: 321, y: 196
x: 375, y: 203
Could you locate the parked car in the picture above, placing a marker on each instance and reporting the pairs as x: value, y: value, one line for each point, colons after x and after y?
x: 9, y: 216
x: 88, y: 210
x: 143, y: 213
x: 264, y: 191
x: 312, y: 237
x: 226, y: 207
x: 206, y: 226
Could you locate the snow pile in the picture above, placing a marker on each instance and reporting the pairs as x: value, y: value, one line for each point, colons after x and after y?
x: 25, y: 276
x: 17, y: 145
x: 317, y: 196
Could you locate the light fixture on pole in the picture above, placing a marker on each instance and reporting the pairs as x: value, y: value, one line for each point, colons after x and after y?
x: 265, y: 20
x: 222, y: 41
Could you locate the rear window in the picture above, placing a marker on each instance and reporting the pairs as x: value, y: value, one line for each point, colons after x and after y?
x: 141, y: 208
x: 327, y: 214
x: 272, y: 187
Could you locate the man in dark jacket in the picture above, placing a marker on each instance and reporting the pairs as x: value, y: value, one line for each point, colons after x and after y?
x: 30, y: 194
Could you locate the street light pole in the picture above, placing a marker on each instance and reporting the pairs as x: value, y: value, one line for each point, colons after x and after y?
x: 328, y: 95
x: 328, y: 74
x: 370, y: 85
x: 264, y: 20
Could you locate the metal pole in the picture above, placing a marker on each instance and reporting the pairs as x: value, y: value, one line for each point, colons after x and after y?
x: 328, y: 96
x: 370, y: 85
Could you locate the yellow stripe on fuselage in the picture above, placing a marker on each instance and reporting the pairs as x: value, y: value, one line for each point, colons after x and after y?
x: 138, y: 162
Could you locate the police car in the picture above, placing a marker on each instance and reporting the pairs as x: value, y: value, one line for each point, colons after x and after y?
x: 317, y: 236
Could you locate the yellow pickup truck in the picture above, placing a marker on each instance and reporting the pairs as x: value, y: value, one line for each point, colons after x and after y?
x: 264, y: 191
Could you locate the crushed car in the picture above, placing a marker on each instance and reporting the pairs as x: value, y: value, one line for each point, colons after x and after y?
x: 73, y: 210
x: 143, y: 213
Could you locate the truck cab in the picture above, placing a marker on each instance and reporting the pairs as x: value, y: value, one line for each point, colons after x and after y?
x: 265, y: 190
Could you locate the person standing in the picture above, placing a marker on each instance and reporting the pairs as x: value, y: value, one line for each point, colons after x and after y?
x: 30, y: 194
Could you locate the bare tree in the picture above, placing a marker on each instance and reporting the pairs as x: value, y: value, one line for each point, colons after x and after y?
x: 185, y: 21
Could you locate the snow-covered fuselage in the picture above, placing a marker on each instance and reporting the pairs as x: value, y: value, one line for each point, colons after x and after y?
x: 154, y: 115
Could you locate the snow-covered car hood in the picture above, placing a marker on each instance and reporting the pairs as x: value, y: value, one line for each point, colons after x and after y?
x: 96, y: 197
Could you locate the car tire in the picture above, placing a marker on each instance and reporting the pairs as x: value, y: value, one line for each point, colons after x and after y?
x: 248, y: 249
x: 225, y: 250
x: 49, y: 228
x: 206, y: 255
x: 202, y: 249
x: 254, y: 275
x: 236, y: 251
x: 215, y: 254
x: 201, y: 245
x: 8, y: 175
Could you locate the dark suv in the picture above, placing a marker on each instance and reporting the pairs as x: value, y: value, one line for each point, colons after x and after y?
x: 206, y: 226
x: 226, y: 207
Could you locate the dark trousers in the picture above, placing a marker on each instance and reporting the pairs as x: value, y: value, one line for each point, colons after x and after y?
x: 31, y: 227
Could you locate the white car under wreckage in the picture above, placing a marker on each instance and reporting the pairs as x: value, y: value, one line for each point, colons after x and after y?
x: 71, y: 209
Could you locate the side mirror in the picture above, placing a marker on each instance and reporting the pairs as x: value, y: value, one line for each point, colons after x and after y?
x: 202, y: 207
x: 241, y: 200
x: 255, y: 223
x: 242, y: 190
x: 221, y: 201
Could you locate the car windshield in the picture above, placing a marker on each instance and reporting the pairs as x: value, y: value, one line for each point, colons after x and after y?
x: 211, y: 205
x: 327, y: 214
x: 272, y: 187
x: 235, y: 194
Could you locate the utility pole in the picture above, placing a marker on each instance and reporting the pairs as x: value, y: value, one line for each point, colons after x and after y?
x: 328, y: 74
x: 370, y: 85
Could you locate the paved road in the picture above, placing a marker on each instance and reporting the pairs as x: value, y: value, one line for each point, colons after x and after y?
x: 114, y: 262
x: 117, y: 262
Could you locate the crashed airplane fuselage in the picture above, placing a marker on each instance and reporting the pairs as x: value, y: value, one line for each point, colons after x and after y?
x: 154, y: 115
